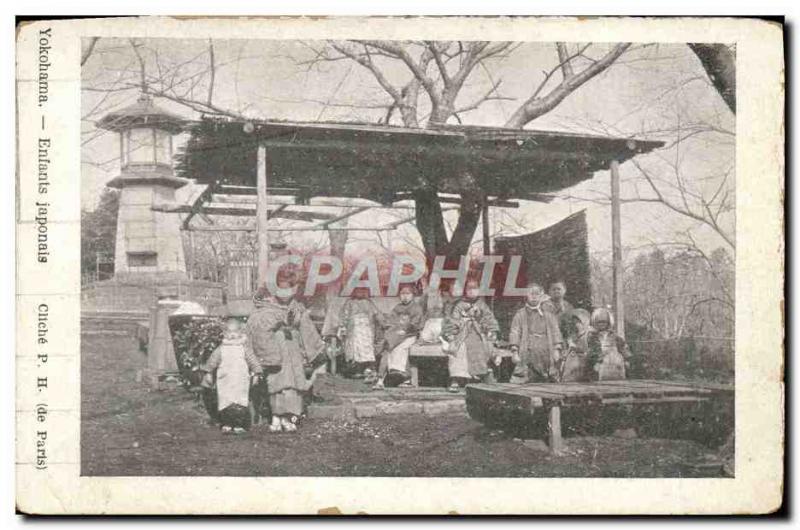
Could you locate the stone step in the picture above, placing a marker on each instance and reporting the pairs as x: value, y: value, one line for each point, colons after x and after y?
x: 114, y: 323
x: 419, y: 393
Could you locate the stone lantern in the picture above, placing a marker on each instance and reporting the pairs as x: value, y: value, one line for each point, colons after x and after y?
x: 148, y: 245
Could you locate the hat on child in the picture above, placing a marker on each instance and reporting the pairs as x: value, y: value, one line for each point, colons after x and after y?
x: 601, y: 314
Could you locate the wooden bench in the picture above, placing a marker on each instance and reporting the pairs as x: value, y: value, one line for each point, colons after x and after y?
x: 488, y: 401
x: 432, y: 351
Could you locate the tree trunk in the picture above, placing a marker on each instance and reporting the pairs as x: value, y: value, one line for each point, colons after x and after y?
x: 430, y: 222
x: 468, y: 219
x: 719, y: 62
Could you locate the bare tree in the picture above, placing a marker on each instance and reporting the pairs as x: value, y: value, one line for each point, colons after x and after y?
x: 436, y: 74
x: 674, y: 178
x: 430, y: 94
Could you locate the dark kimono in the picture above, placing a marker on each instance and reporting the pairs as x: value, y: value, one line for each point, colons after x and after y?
x: 608, y: 354
x: 232, y: 363
x: 405, y: 322
x: 284, y: 339
x: 535, y: 331
x: 575, y: 364
x: 561, y: 309
x: 467, y: 329
x: 563, y: 312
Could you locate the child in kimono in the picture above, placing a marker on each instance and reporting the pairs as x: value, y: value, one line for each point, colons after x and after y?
x: 233, y: 363
x: 535, y: 339
x: 575, y: 329
x: 468, y: 336
x: 405, y: 322
x: 358, y: 328
x: 558, y: 291
x: 435, y: 303
x: 284, y: 340
x: 608, y: 352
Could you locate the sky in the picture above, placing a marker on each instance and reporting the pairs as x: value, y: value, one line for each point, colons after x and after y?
x: 656, y: 91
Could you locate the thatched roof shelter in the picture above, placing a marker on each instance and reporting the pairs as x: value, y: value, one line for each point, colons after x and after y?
x: 382, y: 163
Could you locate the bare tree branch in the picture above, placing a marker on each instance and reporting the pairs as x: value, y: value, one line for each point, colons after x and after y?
x: 89, y: 49
x: 142, y: 67
x: 708, y: 220
x: 564, y: 60
x: 535, y: 106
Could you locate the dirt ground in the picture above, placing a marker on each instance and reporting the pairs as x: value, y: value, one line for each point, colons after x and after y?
x: 128, y: 429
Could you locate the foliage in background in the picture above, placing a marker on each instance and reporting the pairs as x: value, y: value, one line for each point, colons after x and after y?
x: 679, y: 312
x: 671, y: 295
x: 683, y: 359
x: 99, y: 231
x: 194, y: 338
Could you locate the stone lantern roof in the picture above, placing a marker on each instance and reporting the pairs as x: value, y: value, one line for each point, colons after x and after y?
x: 143, y: 113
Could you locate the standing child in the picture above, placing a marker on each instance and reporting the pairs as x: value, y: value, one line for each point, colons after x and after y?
x: 284, y: 339
x: 535, y: 339
x: 468, y: 336
x: 575, y: 329
x: 359, y: 322
x: 405, y: 322
x: 608, y: 352
x: 232, y: 362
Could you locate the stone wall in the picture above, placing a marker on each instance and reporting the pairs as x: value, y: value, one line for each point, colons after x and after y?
x: 141, y: 294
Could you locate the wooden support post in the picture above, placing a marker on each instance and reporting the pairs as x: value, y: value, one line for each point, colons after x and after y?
x: 191, y: 255
x: 262, y: 236
x: 414, y: 369
x: 555, y: 441
x: 616, y: 247
x: 487, y: 244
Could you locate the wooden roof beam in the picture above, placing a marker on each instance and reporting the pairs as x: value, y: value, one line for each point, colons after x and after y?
x: 278, y: 213
x: 331, y: 202
x: 351, y: 213
x: 201, y: 198
x: 229, y: 189
x: 499, y: 203
x: 292, y: 228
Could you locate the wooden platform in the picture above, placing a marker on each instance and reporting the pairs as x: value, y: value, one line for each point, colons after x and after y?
x: 495, y: 403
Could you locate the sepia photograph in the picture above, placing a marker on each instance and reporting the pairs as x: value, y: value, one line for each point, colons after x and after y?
x: 407, y: 258
x: 400, y: 266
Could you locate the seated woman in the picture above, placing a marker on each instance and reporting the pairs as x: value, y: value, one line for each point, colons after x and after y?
x: 404, y: 323
x: 468, y: 336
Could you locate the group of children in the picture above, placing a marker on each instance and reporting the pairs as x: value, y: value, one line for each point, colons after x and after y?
x: 361, y: 321
x: 549, y: 339
x: 274, y: 359
x: 269, y: 364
